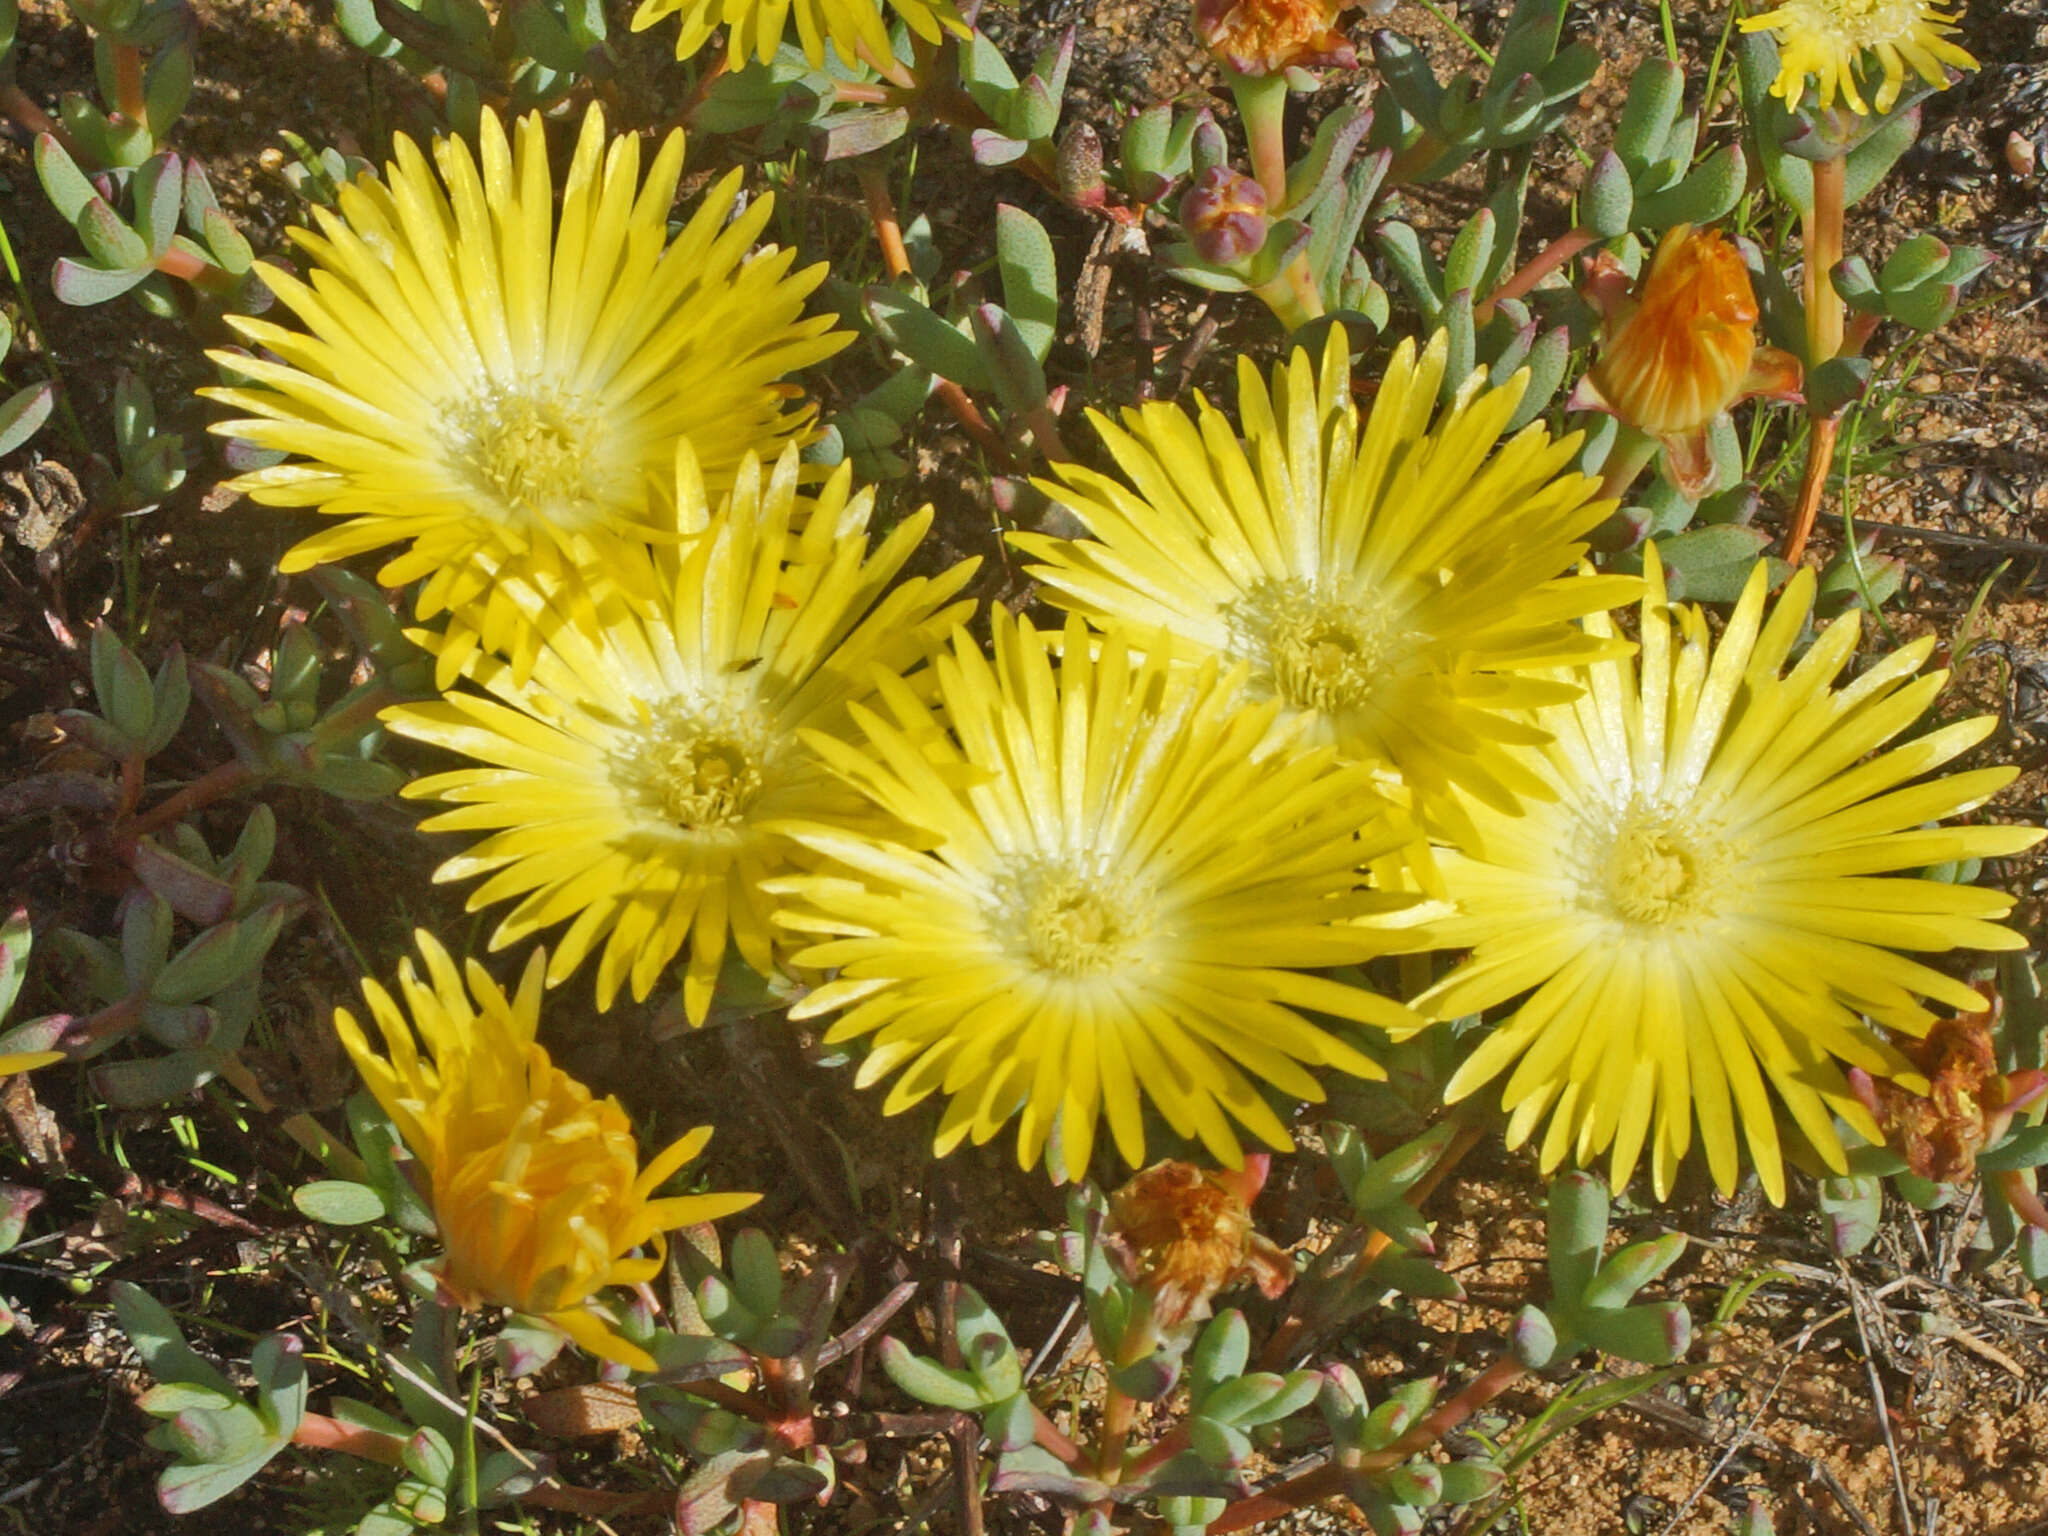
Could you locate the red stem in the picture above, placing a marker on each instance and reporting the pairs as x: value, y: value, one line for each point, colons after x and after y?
x: 1538, y: 267
x: 1328, y: 1480
x: 216, y: 783
x: 128, y: 97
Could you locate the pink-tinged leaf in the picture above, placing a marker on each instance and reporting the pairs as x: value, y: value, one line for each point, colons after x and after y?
x: 23, y: 413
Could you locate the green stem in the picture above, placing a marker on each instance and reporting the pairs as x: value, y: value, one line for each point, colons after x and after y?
x: 1262, y: 107
x: 1292, y: 296
x: 1631, y: 453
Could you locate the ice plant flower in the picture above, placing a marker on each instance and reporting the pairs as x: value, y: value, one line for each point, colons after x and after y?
x: 503, y: 388
x: 856, y: 29
x: 1679, y: 348
x: 1707, y: 912
x: 1118, y: 899
x: 1833, y: 43
x: 630, y: 775
x: 1183, y: 1233
x: 1394, y: 582
x: 535, y: 1182
x: 1264, y: 37
x: 1961, y: 1103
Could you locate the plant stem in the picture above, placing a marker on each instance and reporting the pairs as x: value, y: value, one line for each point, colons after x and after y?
x: 1821, y: 234
x: 1292, y: 296
x: 1262, y: 107
x: 874, y: 189
x: 128, y: 96
x: 1119, y: 1409
x: 216, y: 783
x: 1535, y: 269
x: 1632, y: 451
x: 1329, y: 1479
x: 1372, y: 1243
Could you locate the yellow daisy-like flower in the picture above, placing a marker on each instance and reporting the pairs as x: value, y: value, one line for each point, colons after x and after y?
x: 1396, y: 582
x: 502, y: 387
x: 1120, y: 903
x: 536, y: 1184
x: 854, y: 28
x: 632, y: 773
x: 1832, y: 42
x: 1698, y: 908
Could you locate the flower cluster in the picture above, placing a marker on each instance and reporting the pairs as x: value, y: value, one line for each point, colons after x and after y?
x: 1334, y: 685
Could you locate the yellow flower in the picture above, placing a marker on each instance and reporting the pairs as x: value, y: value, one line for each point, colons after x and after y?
x: 632, y: 772
x: 504, y: 388
x: 1829, y: 40
x: 1681, y: 347
x: 536, y: 1185
x: 1389, y: 581
x: 26, y: 1061
x: 1696, y: 909
x: 1118, y: 901
x: 1263, y: 37
x: 755, y: 27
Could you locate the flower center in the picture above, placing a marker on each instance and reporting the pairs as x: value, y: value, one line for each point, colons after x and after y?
x: 698, y: 769
x: 1324, y: 652
x: 1859, y: 23
x: 532, y: 453
x: 1068, y: 921
x: 1660, y: 872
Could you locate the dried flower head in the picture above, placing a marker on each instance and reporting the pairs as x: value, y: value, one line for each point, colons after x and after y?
x: 1959, y: 1103
x: 1263, y: 37
x: 1679, y: 348
x: 1185, y: 1233
x: 535, y: 1183
x: 1833, y: 42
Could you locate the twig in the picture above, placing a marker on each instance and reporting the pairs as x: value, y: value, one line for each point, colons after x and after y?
x: 867, y: 1325
x: 1734, y: 1445
x: 1857, y: 1301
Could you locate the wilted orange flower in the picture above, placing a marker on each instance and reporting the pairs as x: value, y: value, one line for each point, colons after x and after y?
x: 1184, y: 1233
x: 536, y: 1183
x: 1263, y: 37
x: 1681, y: 347
x: 1968, y: 1104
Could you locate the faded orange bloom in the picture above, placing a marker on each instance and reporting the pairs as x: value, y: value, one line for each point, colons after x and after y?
x: 1263, y: 37
x: 1184, y: 1233
x: 1680, y: 348
x: 1968, y: 1104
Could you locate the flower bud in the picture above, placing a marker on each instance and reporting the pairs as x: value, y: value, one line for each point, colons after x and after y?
x: 1079, y: 166
x: 1224, y: 215
x: 1266, y: 37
